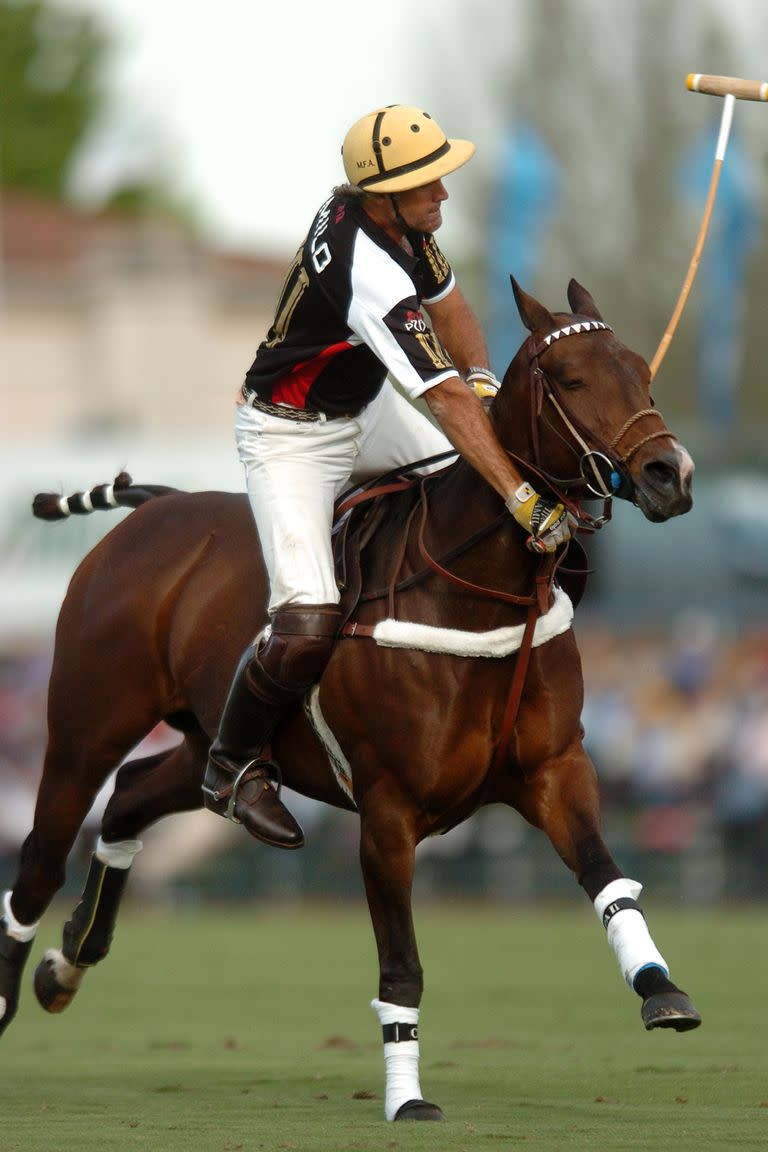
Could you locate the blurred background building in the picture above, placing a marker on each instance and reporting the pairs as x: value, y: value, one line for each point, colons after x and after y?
x: 156, y: 175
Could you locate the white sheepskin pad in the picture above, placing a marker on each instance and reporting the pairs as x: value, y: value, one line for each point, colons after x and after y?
x: 452, y: 641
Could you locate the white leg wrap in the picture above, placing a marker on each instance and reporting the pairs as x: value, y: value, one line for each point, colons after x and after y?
x: 627, y: 931
x: 117, y: 855
x: 21, y: 932
x: 401, y: 1059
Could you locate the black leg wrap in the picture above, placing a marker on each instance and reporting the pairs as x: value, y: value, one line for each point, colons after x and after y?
x: 398, y: 1032
x: 620, y: 905
x: 13, y: 957
x: 88, y: 935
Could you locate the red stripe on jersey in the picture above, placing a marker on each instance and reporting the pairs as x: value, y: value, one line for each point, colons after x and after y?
x: 293, y: 388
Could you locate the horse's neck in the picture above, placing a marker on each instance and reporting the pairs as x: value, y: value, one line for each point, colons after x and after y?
x: 510, y: 412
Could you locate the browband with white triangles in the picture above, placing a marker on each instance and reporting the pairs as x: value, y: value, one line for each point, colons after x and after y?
x: 572, y: 329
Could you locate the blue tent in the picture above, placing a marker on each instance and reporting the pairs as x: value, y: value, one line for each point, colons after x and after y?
x: 523, y: 200
x: 733, y: 235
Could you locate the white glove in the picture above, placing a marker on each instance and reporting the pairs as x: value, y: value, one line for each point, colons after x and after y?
x: 547, y: 523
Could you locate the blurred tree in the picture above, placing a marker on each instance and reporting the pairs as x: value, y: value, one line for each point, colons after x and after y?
x: 53, y: 105
x: 50, y: 63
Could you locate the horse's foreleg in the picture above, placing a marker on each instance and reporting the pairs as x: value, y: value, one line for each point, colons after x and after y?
x: 387, y: 853
x: 145, y: 790
x: 562, y: 798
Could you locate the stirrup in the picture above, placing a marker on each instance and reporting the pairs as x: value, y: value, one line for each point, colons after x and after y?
x: 250, y: 796
x: 254, y: 769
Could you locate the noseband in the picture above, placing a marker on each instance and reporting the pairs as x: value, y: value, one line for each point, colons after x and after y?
x: 542, y: 385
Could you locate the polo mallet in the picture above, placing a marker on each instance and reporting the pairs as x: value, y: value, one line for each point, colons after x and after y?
x: 733, y: 89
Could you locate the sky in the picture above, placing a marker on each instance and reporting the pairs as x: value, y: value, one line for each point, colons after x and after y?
x: 245, y: 104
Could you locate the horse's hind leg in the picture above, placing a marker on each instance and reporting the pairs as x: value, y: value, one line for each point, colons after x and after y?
x: 72, y: 775
x: 145, y: 790
x: 63, y: 801
x: 562, y: 798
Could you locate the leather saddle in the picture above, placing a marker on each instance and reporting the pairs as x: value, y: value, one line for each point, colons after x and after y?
x: 360, y: 513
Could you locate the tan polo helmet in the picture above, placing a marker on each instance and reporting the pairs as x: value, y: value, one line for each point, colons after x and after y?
x: 400, y: 147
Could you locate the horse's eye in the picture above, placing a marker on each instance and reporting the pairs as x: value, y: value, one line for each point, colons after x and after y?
x: 572, y: 385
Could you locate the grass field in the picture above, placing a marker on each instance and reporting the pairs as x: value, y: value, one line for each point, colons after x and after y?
x: 250, y: 1029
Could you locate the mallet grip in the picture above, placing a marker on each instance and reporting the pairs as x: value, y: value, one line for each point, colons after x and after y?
x: 727, y: 86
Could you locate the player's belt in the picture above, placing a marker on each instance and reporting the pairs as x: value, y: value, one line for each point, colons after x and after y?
x: 284, y: 411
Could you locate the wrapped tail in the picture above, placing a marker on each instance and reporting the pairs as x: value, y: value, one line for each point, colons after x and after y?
x: 121, y: 493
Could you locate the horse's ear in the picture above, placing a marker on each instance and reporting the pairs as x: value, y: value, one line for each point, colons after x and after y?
x: 532, y: 314
x: 581, y: 302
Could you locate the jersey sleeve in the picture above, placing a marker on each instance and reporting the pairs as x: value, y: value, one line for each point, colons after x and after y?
x: 384, y: 314
x: 437, y: 278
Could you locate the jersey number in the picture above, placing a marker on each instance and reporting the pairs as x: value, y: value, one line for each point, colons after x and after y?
x: 293, y: 289
x: 433, y: 349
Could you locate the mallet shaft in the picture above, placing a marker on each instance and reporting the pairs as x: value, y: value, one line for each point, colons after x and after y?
x: 693, y: 267
x: 727, y: 86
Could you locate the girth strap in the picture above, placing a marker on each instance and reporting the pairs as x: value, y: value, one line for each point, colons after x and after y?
x: 516, y: 689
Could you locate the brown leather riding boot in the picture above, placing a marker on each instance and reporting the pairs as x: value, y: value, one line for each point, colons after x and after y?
x: 241, y: 782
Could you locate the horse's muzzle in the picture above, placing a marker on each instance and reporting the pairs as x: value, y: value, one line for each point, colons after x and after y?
x: 664, y: 484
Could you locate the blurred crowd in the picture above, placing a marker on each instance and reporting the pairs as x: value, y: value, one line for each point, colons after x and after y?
x: 676, y: 723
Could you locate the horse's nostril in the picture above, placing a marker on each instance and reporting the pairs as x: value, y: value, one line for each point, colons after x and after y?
x: 662, y: 474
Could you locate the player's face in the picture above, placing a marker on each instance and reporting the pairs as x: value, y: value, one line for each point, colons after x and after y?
x: 420, y: 207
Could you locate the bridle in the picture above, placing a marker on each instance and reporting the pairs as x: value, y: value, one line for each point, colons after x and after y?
x: 593, y: 449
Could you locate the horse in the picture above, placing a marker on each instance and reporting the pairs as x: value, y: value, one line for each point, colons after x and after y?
x: 455, y: 681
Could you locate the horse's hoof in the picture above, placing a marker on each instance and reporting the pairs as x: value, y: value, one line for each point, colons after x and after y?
x: 56, y: 981
x: 418, y: 1110
x: 670, y: 1010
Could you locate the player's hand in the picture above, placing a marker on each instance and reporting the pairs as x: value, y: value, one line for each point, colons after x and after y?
x: 547, y: 523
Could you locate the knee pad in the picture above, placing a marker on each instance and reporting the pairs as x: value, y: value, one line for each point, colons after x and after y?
x: 296, y: 651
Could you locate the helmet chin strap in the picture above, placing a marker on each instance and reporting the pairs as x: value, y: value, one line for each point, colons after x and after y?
x: 409, y: 233
x: 398, y: 214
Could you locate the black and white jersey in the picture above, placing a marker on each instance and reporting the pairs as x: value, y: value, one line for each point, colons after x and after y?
x: 349, y: 314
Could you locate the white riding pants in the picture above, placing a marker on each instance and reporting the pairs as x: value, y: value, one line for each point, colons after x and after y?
x: 295, y: 472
